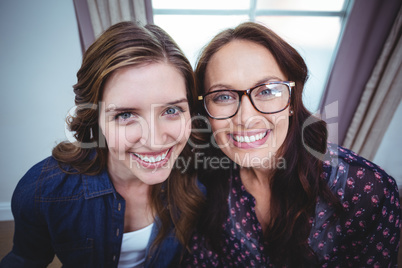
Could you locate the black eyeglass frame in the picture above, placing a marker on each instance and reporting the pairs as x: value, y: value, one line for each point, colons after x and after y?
x: 247, y: 92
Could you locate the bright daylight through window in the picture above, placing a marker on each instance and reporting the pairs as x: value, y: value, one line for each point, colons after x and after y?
x: 313, y: 27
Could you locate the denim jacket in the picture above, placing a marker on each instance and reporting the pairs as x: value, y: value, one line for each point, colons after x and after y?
x: 79, y: 218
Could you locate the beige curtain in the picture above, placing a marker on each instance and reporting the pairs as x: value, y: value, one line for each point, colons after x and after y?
x: 104, y: 13
x: 380, y: 99
x: 95, y: 16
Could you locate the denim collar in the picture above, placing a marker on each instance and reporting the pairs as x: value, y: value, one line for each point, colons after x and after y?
x: 98, y: 185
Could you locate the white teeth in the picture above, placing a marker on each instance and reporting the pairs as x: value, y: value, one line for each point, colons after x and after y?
x: 152, y: 159
x: 250, y: 138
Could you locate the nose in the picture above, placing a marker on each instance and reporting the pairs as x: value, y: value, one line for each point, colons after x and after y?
x: 157, y: 135
x: 138, y: 133
x: 246, y: 113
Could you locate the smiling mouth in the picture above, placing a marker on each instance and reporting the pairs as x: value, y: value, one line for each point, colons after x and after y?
x: 249, y: 139
x: 154, y: 158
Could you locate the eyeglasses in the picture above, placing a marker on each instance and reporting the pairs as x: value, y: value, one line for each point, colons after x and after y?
x: 269, y: 98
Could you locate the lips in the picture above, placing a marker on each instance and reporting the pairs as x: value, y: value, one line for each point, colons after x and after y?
x: 248, y: 140
x: 154, y: 159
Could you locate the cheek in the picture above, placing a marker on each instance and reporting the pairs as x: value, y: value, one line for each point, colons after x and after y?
x: 121, y: 137
x: 187, y: 131
x: 130, y: 134
x: 281, y: 129
x: 179, y: 130
x: 219, y: 129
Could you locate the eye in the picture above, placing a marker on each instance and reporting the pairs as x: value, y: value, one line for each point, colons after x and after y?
x: 172, y: 111
x: 267, y: 92
x: 124, y: 116
x: 223, y: 97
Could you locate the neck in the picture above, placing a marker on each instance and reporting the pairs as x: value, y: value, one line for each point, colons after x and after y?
x: 256, y: 181
x: 139, y: 211
x: 126, y: 184
x: 257, y: 176
x: 120, y: 175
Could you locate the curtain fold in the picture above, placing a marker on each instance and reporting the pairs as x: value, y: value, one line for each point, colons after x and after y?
x: 85, y: 29
x: 366, y: 31
x: 95, y: 16
x: 380, y: 99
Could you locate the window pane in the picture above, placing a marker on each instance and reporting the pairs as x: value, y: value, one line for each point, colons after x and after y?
x: 310, y: 31
x: 205, y: 4
x: 192, y: 32
x: 315, y: 38
x: 315, y: 5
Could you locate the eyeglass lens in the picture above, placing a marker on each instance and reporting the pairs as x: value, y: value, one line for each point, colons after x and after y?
x: 269, y: 98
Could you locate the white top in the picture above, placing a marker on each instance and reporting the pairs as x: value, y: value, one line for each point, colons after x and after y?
x: 133, y: 247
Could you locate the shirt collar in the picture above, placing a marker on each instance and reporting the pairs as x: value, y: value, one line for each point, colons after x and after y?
x: 97, y: 185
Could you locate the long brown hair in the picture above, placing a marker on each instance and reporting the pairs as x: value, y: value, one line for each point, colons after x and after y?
x: 294, y: 189
x: 127, y: 44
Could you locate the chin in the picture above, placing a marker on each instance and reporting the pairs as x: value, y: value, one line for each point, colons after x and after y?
x: 155, y: 177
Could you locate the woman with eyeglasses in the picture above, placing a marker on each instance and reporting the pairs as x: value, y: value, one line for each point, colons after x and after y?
x: 116, y: 197
x: 288, y: 197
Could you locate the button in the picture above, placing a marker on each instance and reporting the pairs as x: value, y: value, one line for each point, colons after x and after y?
x: 117, y: 232
x: 119, y: 207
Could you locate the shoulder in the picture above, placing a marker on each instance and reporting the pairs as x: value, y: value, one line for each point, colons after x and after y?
x: 46, y: 178
x: 39, y: 170
x: 342, y: 160
x: 370, y: 207
x: 358, y: 181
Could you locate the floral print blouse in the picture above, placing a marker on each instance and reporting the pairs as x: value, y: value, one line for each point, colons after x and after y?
x: 365, y: 235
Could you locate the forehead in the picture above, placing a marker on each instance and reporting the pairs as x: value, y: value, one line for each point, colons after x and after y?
x: 151, y: 83
x: 241, y: 60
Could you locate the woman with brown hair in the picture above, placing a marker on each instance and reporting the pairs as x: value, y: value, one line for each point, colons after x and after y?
x: 288, y: 198
x: 116, y: 197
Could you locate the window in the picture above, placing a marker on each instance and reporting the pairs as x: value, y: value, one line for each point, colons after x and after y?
x: 313, y: 27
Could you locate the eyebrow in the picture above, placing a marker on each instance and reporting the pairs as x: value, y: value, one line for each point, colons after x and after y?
x: 131, y: 109
x: 120, y: 109
x: 267, y: 79
x: 177, y: 101
x: 261, y: 81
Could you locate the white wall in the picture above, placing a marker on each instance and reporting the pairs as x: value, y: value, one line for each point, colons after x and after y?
x: 39, y: 58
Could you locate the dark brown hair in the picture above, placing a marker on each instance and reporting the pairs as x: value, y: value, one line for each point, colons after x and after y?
x: 294, y: 189
x: 127, y: 44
